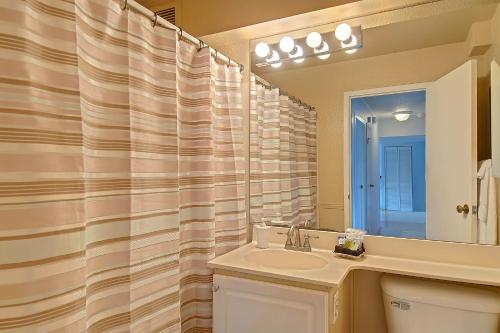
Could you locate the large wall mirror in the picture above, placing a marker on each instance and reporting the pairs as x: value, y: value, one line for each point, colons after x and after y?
x: 386, y: 124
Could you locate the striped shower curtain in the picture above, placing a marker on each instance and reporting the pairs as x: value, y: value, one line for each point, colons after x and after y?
x: 282, y: 157
x: 120, y: 171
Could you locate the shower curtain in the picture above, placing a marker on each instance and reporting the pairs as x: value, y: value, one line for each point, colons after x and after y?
x: 122, y: 171
x: 282, y: 157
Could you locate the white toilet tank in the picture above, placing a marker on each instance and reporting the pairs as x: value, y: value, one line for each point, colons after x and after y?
x: 427, y: 306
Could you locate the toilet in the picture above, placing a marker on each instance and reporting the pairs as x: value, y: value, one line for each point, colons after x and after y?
x: 428, y: 306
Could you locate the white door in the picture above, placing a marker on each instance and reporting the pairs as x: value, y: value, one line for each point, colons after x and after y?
x: 247, y: 306
x: 452, y: 155
x: 359, y: 167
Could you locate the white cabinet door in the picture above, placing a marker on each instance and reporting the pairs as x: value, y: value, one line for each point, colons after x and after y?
x: 247, y: 306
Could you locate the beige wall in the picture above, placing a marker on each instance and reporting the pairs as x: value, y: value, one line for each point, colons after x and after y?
x: 324, y: 87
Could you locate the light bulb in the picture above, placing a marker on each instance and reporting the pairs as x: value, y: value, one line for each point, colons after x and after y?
x: 313, y: 40
x: 287, y: 44
x: 298, y: 52
x: 275, y: 56
x: 353, y: 42
x: 343, y: 32
x: 298, y: 55
x: 262, y: 50
x: 402, y: 115
x: 324, y: 48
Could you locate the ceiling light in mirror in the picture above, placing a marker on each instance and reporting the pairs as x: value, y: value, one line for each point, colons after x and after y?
x: 353, y: 41
x: 324, y: 48
x: 262, y: 50
x: 343, y: 32
x: 402, y: 115
x: 314, y: 39
x: 297, y: 55
x: 287, y: 44
x: 274, y: 57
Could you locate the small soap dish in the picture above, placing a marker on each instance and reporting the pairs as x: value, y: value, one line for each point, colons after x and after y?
x: 341, y: 251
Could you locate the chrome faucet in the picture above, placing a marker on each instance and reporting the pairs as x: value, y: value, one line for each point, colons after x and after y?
x: 293, y: 241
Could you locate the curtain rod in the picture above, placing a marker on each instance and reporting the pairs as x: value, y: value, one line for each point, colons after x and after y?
x: 267, y: 85
x: 160, y: 21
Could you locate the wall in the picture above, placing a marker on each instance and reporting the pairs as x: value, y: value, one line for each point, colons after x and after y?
x: 324, y: 87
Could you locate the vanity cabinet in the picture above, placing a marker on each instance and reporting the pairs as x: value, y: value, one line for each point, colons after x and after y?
x: 248, y: 306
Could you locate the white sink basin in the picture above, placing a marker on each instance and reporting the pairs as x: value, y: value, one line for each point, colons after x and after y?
x: 285, y: 259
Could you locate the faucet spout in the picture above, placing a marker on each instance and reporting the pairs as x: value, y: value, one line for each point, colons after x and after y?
x: 293, y: 238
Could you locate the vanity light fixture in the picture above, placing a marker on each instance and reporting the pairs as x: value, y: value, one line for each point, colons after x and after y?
x: 343, y: 32
x: 314, y: 39
x: 262, y: 50
x: 287, y: 44
x: 402, y: 115
x: 314, y: 44
x: 352, y: 41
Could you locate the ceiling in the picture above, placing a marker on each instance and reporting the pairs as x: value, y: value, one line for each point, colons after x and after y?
x: 433, y: 30
x: 203, y: 17
x: 382, y: 106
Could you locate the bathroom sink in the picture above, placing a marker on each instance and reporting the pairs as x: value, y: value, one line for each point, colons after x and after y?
x: 283, y: 259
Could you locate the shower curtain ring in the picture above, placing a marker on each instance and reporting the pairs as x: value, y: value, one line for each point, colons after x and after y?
x: 216, y: 54
x: 242, y: 68
x: 180, y: 33
x: 229, y: 62
x: 155, y: 20
x: 125, y: 3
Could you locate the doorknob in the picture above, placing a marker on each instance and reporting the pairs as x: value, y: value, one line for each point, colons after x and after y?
x: 463, y: 209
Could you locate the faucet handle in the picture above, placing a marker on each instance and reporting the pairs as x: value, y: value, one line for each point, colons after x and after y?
x: 307, y: 244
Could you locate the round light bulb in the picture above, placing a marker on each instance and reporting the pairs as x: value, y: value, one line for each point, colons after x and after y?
x: 287, y: 44
x: 324, y: 48
x: 352, y: 42
x: 298, y: 55
x: 275, y: 56
x: 402, y: 115
x: 313, y: 39
x: 262, y: 50
x: 298, y: 52
x: 343, y: 32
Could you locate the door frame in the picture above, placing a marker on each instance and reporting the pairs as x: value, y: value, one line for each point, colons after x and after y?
x: 348, y: 96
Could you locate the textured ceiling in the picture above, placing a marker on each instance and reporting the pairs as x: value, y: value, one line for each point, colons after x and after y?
x: 383, y: 106
x: 203, y: 17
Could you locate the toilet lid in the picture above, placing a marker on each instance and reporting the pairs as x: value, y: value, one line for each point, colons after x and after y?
x: 441, y: 293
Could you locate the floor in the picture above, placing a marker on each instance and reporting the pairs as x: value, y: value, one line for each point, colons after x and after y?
x: 402, y: 224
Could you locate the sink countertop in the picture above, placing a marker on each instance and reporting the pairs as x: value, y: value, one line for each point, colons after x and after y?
x: 333, y: 274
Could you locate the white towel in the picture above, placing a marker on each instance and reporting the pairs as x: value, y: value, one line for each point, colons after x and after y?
x: 487, y: 210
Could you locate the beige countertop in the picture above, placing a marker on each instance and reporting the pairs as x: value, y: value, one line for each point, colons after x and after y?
x: 336, y: 269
